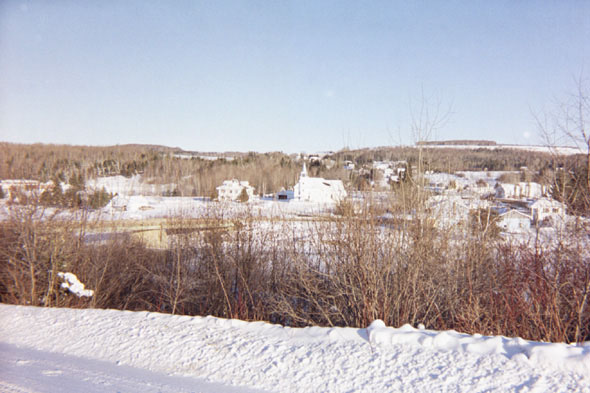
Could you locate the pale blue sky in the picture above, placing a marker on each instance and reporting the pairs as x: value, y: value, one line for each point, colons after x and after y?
x: 282, y: 75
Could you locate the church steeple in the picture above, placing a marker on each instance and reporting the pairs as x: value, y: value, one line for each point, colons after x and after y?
x: 303, y: 171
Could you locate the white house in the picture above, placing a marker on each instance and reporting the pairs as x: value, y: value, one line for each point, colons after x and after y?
x: 520, y: 190
x: 453, y: 209
x: 545, y: 207
x: 533, y: 190
x: 381, y: 165
x: 230, y: 190
x: 514, y: 221
x: 316, y: 189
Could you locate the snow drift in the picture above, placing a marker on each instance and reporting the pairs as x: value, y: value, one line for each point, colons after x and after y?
x: 259, y: 355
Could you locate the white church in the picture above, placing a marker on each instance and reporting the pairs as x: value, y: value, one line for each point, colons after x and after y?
x: 316, y: 189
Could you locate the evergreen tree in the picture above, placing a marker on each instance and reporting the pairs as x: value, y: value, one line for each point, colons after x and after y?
x: 243, y: 197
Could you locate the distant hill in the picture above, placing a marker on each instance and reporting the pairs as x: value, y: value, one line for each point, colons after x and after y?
x: 139, y: 146
x: 457, y: 142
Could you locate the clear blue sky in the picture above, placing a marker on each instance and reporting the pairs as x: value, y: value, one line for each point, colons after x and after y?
x: 282, y: 75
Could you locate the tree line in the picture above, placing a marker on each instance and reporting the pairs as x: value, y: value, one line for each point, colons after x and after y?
x: 270, y: 172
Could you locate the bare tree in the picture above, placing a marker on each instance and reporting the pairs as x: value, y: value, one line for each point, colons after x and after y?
x: 576, y: 126
x: 568, y: 125
x: 428, y: 115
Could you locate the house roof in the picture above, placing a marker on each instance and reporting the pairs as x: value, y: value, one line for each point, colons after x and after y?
x: 513, y: 213
x: 235, y: 182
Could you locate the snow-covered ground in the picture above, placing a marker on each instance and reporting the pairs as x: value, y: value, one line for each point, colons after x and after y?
x: 142, y: 207
x: 139, y: 207
x: 52, y: 350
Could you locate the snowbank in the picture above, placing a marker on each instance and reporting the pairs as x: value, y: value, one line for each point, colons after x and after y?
x: 281, y: 359
x: 570, y: 357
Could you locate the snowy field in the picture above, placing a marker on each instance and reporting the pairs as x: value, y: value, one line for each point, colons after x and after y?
x: 144, y: 207
x: 69, y: 350
x: 139, y: 207
x: 137, y: 200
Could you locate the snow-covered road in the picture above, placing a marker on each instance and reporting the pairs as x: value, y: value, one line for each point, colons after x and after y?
x: 24, y: 370
x: 71, y: 350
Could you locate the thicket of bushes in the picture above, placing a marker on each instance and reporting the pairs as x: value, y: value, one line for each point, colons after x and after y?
x: 339, y: 271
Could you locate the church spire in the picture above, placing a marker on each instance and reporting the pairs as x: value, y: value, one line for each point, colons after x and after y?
x: 303, y: 171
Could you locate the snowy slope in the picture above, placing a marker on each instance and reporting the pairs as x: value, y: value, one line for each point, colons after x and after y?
x: 561, y: 150
x: 107, y: 350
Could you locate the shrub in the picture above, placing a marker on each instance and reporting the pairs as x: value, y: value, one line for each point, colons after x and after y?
x: 336, y: 271
x: 99, y: 199
x: 34, y: 248
x: 344, y: 207
x: 243, y: 197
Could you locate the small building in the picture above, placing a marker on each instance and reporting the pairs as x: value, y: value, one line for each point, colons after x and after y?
x: 381, y: 165
x: 285, y: 195
x: 533, y: 190
x: 453, y: 209
x: 230, y: 190
x: 317, y: 189
x: 544, y: 208
x: 514, y: 221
